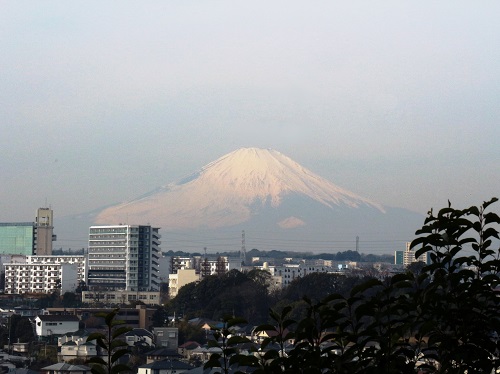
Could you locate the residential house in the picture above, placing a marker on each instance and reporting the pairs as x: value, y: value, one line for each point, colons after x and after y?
x: 166, y: 337
x: 139, y: 337
x: 162, y: 354
x: 47, y: 326
x: 75, y: 345
x: 14, y: 370
x: 202, y: 354
x: 64, y: 368
x: 169, y: 366
x: 141, y: 316
x: 71, y: 350
x: 186, y: 348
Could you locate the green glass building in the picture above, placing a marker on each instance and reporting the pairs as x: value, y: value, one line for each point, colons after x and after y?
x: 399, y: 257
x: 17, y: 238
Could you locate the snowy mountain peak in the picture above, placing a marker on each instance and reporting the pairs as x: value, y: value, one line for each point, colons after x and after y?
x: 230, y: 190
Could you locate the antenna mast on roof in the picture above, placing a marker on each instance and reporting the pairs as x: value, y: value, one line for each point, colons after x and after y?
x: 357, y: 244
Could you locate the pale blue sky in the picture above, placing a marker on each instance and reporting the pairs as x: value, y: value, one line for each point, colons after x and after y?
x: 102, y: 101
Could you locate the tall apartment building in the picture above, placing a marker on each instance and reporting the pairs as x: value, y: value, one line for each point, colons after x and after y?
x: 123, y: 258
x: 28, y: 238
x: 409, y: 256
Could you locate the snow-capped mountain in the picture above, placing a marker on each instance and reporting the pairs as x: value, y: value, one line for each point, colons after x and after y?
x: 277, y: 202
x: 233, y: 190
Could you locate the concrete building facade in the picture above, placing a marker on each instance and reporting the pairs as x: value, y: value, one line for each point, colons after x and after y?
x: 44, y: 274
x: 284, y: 274
x: 123, y: 258
x: 139, y: 317
x: 180, y: 279
x: 28, y: 238
x: 409, y: 256
x: 122, y: 297
x: 185, y: 270
x: 52, y: 325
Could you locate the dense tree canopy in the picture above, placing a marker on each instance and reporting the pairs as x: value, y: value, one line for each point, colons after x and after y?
x: 249, y: 294
x: 233, y: 293
x: 444, y: 319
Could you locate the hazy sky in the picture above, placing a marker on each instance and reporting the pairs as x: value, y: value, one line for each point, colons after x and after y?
x: 102, y: 101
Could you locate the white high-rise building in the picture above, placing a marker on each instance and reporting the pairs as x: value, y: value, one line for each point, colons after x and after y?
x: 123, y: 258
x: 409, y: 255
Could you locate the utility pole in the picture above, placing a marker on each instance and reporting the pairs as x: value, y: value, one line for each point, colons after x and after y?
x: 243, y: 252
x: 10, y: 328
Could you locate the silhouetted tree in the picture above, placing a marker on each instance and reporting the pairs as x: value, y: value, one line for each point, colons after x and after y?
x: 444, y: 320
x: 111, y: 343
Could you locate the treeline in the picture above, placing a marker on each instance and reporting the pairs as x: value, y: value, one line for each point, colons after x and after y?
x: 443, y: 319
x: 251, y: 295
x: 280, y: 255
x: 68, y: 252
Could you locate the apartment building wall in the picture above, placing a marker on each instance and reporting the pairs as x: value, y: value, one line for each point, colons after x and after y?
x: 40, y: 278
x: 124, y: 258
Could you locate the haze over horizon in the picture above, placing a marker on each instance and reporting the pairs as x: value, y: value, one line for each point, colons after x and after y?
x: 395, y: 101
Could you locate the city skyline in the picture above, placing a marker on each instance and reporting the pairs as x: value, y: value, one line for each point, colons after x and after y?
x: 101, y: 104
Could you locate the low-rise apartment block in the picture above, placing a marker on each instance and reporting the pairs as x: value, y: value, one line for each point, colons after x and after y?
x: 122, y: 297
x: 185, y: 270
x: 44, y: 274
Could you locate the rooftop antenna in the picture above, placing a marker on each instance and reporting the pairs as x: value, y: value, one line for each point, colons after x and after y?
x: 243, y: 252
x: 357, y: 244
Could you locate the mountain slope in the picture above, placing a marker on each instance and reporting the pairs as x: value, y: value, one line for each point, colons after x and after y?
x: 235, y: 189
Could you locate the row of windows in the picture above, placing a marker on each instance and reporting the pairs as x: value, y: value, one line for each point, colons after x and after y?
x: 108, y: 229
x: 107, y: 246
x: 106, y: 238
x: 61, y: 258
x: 30, y: 283
x: 94, y: 243
x: 116, y: 281
x: 30, y: 267
x: 101, y: 255
x: 104, y: 261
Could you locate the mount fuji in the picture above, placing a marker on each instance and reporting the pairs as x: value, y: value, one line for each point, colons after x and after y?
x: 268, y: 194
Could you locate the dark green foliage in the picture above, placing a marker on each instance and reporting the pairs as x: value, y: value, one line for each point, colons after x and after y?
x: 19, y: 328
x: 233, y: 293
x: 160, y: 317
x: 444, y: 318
x: 111, y: 343
x: 71, y: 300
x: 227, y: 345
x: 189, y: 332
